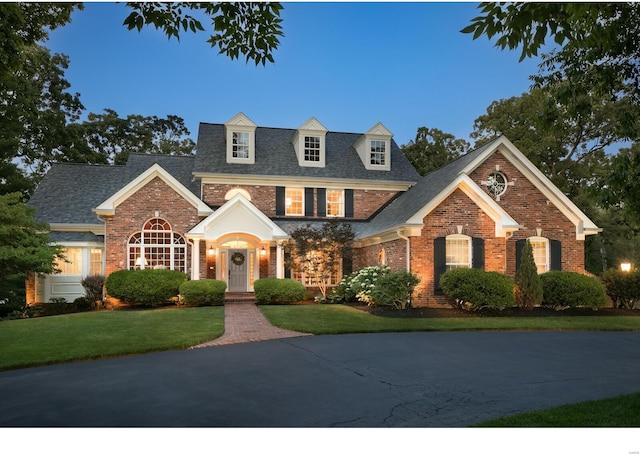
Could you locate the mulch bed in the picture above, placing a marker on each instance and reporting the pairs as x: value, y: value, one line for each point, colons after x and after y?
x: 447, y: 312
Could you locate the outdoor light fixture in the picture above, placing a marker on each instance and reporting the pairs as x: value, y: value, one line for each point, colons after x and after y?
x: 211, y: 251
x: 263, y: 252
x: 625, y: 266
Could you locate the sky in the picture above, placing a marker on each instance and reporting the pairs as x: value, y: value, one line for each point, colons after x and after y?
x: 349, y: 65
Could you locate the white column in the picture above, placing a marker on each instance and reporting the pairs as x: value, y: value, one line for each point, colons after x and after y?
x: 195, y: 260
x: 279, y: 260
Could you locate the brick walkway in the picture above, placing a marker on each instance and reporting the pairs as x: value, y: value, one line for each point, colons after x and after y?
x: 243, y: 322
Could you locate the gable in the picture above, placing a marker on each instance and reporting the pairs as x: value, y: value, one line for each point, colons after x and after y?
x: 107, y: 208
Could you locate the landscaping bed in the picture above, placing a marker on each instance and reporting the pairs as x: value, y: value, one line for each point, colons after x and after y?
x: 448, y: 312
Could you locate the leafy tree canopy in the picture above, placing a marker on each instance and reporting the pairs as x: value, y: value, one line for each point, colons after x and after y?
x: 433, y: 148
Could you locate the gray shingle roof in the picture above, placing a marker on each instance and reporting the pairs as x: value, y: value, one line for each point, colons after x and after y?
x: 275, y: 156
x: 68, y: 192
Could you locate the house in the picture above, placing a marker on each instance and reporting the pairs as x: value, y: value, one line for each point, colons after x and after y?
x: 225, y: 212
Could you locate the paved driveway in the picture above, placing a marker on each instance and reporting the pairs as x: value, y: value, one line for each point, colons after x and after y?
x: 442, y: 379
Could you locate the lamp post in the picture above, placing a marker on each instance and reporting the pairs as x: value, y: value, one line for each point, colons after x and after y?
x: 625, y: 267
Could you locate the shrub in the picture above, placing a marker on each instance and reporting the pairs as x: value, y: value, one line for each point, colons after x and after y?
x: 622, y: 287
x: 93, y: 286
x: 564, y: 289
x: 205, y: 292
x: 83, y: 303
x: 528, y: 284
x: 394, y: 289
x: 144, y: 287
x: 358, y: 285
x: 278, y: 291
x: 474, y: 289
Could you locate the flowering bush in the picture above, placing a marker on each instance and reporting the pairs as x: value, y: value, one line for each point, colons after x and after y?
x: 358, y: 286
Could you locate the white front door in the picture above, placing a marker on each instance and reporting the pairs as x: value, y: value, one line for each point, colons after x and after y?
x: 237, y: 267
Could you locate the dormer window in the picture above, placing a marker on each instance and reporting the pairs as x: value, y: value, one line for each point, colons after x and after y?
x: 309, y: 144
x: 241, y: 140
x: 374, y: 148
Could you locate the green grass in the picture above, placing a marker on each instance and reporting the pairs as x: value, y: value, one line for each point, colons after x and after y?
x: 619, y: 411
x: 90, y: 335
x: 338, y: 319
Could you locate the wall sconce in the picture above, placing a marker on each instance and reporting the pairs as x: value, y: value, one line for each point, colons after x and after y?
x: 625, y: 267
x: 157, y: 213
x: 263, y: 252
x: 211, y: 251
x: 141, y: 261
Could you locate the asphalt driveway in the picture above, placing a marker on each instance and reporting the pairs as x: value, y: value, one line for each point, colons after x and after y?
x: 442, y: 379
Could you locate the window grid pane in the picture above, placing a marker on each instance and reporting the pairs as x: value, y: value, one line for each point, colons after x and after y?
x: 240, y: 146
x: 95, y: 265
x: 457, y: 253
x: 74, y: 264
x: 157, y: 247
x: 335, y: 202
x: 294, y: 202
x: 312, y: 149
x: 539, y: 255
x: 378, y: 152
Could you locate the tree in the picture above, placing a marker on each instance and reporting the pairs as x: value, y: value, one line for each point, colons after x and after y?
x: 318, y: 252
x: 24, y: 246
x: 433, y: 148
x: 528, y: 288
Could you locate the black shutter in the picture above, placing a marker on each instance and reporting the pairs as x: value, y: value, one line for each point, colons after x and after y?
x: 308, y: 201
x: 280, y: 195
x: 555, y: 247
x: 519, y: 248
x: 348, y: 203
x: 477, y: 251
x: 439, y: 262
x: 287, y: 268
x: 322, y: 202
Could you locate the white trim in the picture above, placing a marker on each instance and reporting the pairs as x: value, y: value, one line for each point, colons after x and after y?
x: 108, y: 207
x: 541, y: 239
x: 303, y: 197
x: 467, y: 238
x: 311, y: 128
x: 96, y: 229
x: 240, y: 123
x: 363, y: 147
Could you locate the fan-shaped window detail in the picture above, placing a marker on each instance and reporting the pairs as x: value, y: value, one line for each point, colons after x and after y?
x: 157, y: 246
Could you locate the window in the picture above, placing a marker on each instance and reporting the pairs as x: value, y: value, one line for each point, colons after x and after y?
x: 312, y: 149
x: 294, y: 201
x: 378, y: 152
x: 497, y: 184
x: 73, y: 264
x: 157, y: 247
x: 95, y: 261
x: 540, y: 248
x: 240, y: 145
x: 458, y: 252
x: 335, y: 202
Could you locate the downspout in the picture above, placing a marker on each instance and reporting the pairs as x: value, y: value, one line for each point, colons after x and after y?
x: 408, y: 252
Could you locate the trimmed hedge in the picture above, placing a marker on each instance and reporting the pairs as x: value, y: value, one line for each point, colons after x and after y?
x: 205, y: 292
x: 564, y: 289
x: 394, y: 289
x: 623, y: 288
x: 272, y: 290
x: 144, y: 287
x: 475, y: 289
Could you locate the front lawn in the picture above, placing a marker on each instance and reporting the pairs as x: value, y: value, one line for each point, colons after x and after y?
x: 339, y: 319
x: 47, y: 340
x: 619, y: 411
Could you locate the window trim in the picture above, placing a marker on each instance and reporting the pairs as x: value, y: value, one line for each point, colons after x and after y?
x: 341, y: 203
x: 302, y: 200
x: 454, y: 237
x: 385, y: 153
x: 547, y: 243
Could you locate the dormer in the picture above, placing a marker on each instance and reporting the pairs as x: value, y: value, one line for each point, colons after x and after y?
x: 309, y: 143
x: 240, y: 133
x: 374, y: 148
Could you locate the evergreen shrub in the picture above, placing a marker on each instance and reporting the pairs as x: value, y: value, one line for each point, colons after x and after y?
x: 205, y: 292
x: 272, y: 290
x: 623, y: 288
x: 144, y: 287
x: 564, y: 289
x: 528, y: 284
x: 394, y: 289
x: 475, y: 289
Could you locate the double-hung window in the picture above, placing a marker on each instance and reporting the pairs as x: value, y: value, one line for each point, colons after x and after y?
x: 458, y: 252
x: 294, y: 201
x: 73, y: 262
x: 378, y: 152
x: 540, y: 248
x: 240, y: 145
x: 335, y: 202
x: 312, y: 149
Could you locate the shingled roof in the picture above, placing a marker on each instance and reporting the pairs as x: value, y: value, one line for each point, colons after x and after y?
x: 275, y: 156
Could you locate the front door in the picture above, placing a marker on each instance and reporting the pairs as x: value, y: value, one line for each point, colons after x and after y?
x: 237, y: 270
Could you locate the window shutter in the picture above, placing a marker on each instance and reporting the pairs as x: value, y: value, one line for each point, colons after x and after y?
x: 348, y: 203
x: 439, y: 262
x: 287, y: 268
x: 477, y: 253
x: 322, y: 201
x: 519, y: 248
x: 308, y: 201
x: 555, y: 248
x: 280, y: 195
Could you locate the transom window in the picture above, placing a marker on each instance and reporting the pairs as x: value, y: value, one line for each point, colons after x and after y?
x: 540, y: 248
x: 312, y: 149
x: 335, y: 202
x: 240, y: 145
x: 378, y: 152
x: 157, y: 246
x: 458, y: 252
x: 294, y: 201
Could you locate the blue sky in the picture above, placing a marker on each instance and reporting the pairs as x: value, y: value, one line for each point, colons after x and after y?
x: 350, y: 65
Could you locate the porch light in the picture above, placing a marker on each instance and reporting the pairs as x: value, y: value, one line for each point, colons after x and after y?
x: 211, y: 251
x: 625, y: 267
x: 263, y: 252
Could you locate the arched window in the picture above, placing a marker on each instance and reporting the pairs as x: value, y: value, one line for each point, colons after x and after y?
x: 157, y: 246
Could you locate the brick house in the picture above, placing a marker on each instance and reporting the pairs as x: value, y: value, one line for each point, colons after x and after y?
x: 225, y: 212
